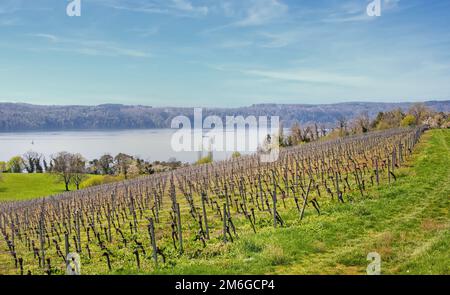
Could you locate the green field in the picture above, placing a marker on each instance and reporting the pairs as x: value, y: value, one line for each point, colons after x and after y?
x: 22, y: 186
x: 407, y: 223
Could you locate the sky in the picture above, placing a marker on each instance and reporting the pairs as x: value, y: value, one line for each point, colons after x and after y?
x: 223, y: 53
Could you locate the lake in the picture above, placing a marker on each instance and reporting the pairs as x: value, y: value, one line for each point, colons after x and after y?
x: 151, y: 145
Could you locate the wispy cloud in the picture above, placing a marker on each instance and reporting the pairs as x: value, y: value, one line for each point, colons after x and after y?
x: 278, y: 40
x: 263, y: 40
x: 49, y: 37
x: 179, y: 8
x: 310, y: 76
x: 356, y: 11
x: 185, y: 5
x: 88, y: 47
x: 251, y: 13
x: 146, y: 32
x: 262, y: 12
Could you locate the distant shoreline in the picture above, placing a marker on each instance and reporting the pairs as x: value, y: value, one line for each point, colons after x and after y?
x: 19, y: 117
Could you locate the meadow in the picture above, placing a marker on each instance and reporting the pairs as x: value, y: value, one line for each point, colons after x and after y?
x: 23, y: 186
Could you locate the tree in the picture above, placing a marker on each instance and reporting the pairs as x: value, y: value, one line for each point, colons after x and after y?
x: 408, y: 120
x: 78, y: 169
x: 316, y: 132
x: 296, y: 134
x: 387, y: 120
x: 45, y: 165
x: 342, y: 125
x: 62, y: 166
x: 15, y: 165
x: 377, y: 120
x: 37, y: 165
x: 281, y: 139
x: 308, y: 134
x: 94, y: 167
x: 32, y: 161
x: 362, y: 123
x: 106, y: 164
x: 134, y: 170
x: 3, y: 166
x: 123, y: 162
x: 419, y: 111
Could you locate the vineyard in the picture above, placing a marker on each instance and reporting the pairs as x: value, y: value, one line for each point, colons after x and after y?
x: 148, y: 223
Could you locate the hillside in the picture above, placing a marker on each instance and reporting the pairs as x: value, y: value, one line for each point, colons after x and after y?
x: 258, y: 219
x: 27, y: 117
x: 407, y: 223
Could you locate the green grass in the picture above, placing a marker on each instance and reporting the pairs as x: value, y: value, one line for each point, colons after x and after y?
x: 407, y: 223
x: 22, y: 186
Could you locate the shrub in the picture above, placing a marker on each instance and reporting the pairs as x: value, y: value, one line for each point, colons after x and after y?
x: 408, y: 120
x: 3, y: 166
x: 95, y: 180
x: 204, y: 160
x: 236, y: 155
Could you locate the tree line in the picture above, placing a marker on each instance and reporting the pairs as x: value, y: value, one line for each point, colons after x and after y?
x: 115, y: 116
x: 417, y: 114
x: 73, y: 168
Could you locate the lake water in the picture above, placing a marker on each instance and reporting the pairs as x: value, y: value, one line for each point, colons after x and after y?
x: 152, y: 145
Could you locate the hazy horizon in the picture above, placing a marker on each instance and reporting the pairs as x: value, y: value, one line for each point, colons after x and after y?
x: 233, y: 106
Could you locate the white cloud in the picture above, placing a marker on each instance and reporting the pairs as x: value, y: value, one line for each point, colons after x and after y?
x: 88, y: 47
x: 187, y: 6
x: 278, y: 40
x: 178, y: 8
x: 49, y: 37
x: 251, y: 13
x: 310, y: 76
x: 262, y: 12
x: 355, y: 11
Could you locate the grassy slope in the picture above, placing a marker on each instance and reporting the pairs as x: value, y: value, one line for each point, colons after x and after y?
x: 28, y: 186
x: 407, y: 223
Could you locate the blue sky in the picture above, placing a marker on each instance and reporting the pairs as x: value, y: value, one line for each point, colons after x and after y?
x: 223, y: 52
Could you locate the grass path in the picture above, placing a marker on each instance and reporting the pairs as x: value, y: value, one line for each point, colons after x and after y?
x: 407, y: 223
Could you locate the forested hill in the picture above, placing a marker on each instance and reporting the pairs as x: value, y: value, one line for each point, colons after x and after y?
x: 27, y: 117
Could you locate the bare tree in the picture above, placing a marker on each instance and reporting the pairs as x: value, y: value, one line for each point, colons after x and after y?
x: 362, y: 123
x: 123, y: 163
x: 316, y: 132
x: 323, y: 130
x: 419, y: 111
x: 78, y: 169
x: 62, y: 163
x: 296, y: 134
x: 32, y: 162
x: 342, y: 125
